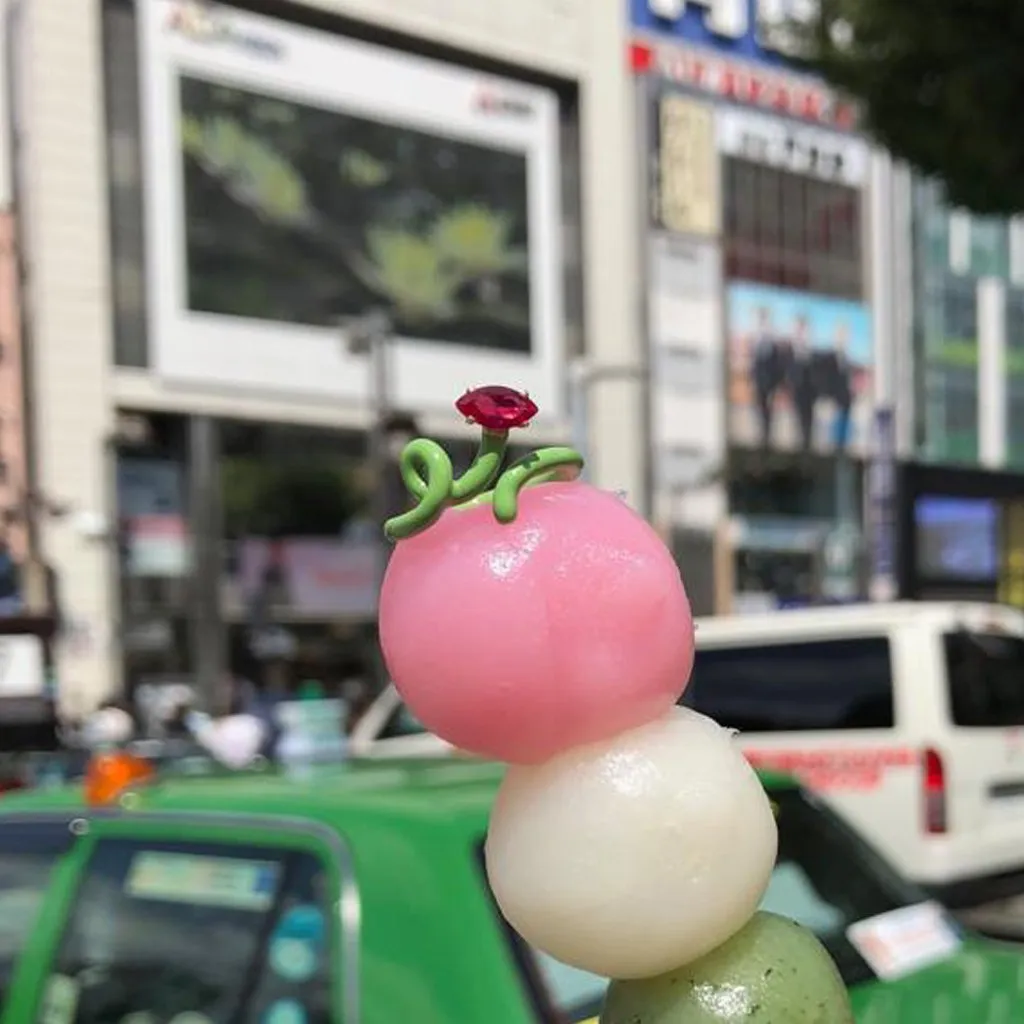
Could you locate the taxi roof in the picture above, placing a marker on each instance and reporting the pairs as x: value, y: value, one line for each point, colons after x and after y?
x: 455, y: 792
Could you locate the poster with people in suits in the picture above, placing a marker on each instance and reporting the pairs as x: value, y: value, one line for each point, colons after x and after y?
x: 800, y: 370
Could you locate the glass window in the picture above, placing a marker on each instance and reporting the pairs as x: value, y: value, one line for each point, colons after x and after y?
x: 402, y: 722
x: 577, y: 995
x: 232, y: 934
x: 301, y: 552
x: 951, y: 354
x: 827, y: 878
x: 28, y: 853
x: 155, y: 548
x: 990, y: 247
x: 828, y: 684
x: 986, y: 679
x: 792, y: 230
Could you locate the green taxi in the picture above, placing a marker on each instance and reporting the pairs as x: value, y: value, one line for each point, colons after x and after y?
x: 356, y: 893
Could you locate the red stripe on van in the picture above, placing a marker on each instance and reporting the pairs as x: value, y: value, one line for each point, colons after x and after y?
x: 834, y: 769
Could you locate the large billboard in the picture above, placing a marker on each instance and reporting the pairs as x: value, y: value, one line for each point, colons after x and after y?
x: 800, y: 370
x: 297, y: 178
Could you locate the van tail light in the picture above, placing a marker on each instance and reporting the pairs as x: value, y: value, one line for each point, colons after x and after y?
x: 934, y: 774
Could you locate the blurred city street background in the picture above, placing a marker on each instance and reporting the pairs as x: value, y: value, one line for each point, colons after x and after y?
x: 762, y: 271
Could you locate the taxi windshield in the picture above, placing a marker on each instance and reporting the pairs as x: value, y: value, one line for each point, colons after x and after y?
x: 174, y: 930
x: 825, y: 877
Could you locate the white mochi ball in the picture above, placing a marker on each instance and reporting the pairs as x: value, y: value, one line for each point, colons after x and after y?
x: 633, y: 856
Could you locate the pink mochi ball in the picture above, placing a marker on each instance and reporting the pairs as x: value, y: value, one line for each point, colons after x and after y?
x: 518, y: 641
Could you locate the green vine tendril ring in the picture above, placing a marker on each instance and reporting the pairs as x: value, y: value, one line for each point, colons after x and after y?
x: 429, y: 477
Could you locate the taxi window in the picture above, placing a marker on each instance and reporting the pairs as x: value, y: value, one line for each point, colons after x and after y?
x: 825, y: 877
x: 577, y: 995
x: 28, y: 853
x: 215, y: 933
x: 402, y: 722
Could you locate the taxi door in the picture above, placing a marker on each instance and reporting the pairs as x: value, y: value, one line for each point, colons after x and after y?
x: 186, y: 919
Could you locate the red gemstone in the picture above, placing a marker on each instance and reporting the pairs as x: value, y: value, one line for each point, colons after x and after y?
x: 496, y: 407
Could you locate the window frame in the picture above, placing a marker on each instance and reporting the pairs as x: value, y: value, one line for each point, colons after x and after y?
x: 288, y: 834
x: 20, y: 1002
x: 536, y: 992
x: 762, y: 206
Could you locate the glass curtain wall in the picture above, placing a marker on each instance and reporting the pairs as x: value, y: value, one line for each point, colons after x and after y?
x: 952, y: 251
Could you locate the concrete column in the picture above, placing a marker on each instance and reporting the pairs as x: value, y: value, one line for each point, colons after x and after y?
x: 619, y: 457
x: 61, y: 161
x: 992, y: 372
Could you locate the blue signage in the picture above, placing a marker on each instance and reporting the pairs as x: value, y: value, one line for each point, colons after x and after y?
x: 747, y: 29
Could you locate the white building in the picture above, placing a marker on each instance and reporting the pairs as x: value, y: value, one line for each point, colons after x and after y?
x: 137, y: 306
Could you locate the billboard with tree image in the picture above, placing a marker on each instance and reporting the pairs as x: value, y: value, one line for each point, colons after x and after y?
x: 311, y: 178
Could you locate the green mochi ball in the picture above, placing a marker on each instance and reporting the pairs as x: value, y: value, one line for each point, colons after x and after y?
x: 772, y: 971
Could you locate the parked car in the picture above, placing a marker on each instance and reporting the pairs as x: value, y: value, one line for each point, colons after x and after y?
x: 356, y: 892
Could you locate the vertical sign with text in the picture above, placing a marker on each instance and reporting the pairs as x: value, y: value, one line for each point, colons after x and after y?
x: 686, y: 196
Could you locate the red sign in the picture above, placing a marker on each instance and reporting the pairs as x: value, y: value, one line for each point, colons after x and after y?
x: 801, y: 98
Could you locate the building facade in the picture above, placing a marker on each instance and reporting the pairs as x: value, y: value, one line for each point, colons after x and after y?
x: 773, y: 218
x: 962, y: 497
x: 207, y: 192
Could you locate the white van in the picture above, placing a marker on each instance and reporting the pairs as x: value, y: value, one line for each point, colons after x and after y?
x: 908, y: 718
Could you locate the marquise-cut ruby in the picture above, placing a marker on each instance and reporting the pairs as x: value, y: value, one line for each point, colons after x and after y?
x: 496, y: 407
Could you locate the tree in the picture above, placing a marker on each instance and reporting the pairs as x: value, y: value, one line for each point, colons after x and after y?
x: 940, y: 84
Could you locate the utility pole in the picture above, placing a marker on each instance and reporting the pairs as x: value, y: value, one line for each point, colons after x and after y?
x: 582, y: 376
x: 371, y: 335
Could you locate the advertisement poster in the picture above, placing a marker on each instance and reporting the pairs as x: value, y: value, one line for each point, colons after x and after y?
x: 800, y: 370
x: 686, y: 194
x: 298, y: 178
x: 314, y: 577
x: 151, y: 514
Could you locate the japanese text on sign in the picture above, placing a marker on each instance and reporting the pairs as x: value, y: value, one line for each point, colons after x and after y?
x: 687, y: 167
x: 834, y: 769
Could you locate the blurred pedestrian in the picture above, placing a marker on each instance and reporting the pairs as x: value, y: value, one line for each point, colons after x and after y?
x: 766, y: 372
x: 802, y: 385
x: 839, y: 386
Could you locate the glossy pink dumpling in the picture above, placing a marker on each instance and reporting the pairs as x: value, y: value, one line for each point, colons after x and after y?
x: 518, y: 641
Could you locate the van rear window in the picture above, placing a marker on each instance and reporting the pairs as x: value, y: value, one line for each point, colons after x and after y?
x: 826, y: 684
x: 986, y: 679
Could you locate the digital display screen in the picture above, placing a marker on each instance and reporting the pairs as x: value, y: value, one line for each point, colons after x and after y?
x: 957, y: 538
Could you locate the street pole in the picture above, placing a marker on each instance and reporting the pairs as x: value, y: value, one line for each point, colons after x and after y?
x: 371, y: 335
x: 582, y: 377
